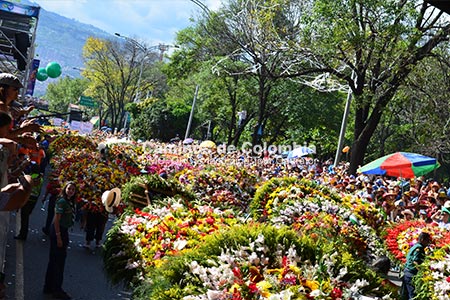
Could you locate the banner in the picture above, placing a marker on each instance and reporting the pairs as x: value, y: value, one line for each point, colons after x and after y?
x: 19, y: 8
x: 86, y: 127
x: 57, y: 121
x: 32, y: 79
x: 82, y: 127
x: 75, y: 125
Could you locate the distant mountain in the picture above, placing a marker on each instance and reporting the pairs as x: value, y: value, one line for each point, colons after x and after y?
x: 61, y: 39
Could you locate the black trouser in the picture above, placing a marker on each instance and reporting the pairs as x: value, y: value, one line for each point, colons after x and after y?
x: 95, y: 226
x: 56, y: 260
x: 25, y: 213
x: 407, y: 289
x: 50, y: 212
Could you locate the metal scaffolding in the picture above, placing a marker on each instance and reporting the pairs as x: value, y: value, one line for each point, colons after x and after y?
x: 18, y: 25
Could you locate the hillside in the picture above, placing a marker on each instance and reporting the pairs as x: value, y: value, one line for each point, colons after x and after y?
x: 61, y: 39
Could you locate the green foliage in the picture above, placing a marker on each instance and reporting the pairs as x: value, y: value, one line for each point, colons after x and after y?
x: 157, y: 187
x: 169, y: 281
x: 117, y: 242
x: 158, y: 119
x: 263, y: 192
x: 64, y: 91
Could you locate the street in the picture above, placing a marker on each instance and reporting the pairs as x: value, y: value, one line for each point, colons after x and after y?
x: 26, y: 264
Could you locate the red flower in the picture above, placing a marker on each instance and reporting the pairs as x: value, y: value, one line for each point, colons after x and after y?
x: 336, y: 293
x: 253, y: 288
x: 210, y: 220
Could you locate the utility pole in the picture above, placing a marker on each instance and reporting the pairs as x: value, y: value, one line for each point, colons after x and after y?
x: 146, y: 50
x: 192, y: 113
x: 343, y: 125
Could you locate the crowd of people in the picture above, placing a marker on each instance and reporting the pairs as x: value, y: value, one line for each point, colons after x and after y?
x: 23, y: 160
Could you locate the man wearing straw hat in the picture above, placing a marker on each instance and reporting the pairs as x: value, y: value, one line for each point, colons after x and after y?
x: 96, y: 218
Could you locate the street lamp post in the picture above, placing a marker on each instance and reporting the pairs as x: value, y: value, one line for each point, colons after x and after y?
x: 161, y: 47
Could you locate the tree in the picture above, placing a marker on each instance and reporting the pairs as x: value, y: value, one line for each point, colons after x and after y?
x: 372, y: 46
x: 244, y: 56
x: 255, y: 39
x: 113, y: 70
x: 64, y: 91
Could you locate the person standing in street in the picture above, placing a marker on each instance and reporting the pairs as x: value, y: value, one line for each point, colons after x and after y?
x: 27, y: 209
x: 414, y: 258
x: 59, y: 240
x: 96, y: 218
x: 52, y: 192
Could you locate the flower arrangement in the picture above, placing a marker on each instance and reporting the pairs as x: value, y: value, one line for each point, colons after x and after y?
x: 158, y: 166
x: 259, y: 262
x: 223, y: 186
x: 140, y: 190
x: 433, y: 279
x: 402, y: 236
x: 92, y: 175
x: 324, y: 219
x: 72, y: 141
x: 287, y: 191
x: 151, y: 235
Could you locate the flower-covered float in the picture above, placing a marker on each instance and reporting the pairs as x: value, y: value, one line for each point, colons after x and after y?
x: 149, y: 245
x: 256, y: 261
x: 433, y: 279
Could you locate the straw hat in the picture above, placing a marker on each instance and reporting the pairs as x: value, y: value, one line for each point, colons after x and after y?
x: 390, y: 193
x: 111, y: 199
x: 413, y: 190
x: 408, y: 212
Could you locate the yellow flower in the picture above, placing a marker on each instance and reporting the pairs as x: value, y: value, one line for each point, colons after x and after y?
x: 263, y: 287
x: 326, y: 287
x: 295, y: 269
x: 312, y: 284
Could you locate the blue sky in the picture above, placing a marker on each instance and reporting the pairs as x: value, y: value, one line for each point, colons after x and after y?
x: 149, y: 21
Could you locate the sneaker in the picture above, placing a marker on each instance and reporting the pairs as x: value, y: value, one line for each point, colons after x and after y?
x: 61, y: 295
x: 20, y: 237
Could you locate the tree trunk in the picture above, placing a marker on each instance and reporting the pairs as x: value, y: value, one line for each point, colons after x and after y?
x: 233, y: 102
x: 263, y: 95
x: 364, y: 129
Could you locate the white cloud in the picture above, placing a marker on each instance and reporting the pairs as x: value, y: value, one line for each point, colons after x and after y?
x: 152, y: 21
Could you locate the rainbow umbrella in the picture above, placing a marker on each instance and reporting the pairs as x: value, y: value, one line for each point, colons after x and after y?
x: 401, y: 164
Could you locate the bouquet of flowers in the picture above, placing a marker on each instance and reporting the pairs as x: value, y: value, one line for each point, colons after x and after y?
x: 148, y: 237
x: 91, y: 174
x: 259, y: 262
x: 433, y: 279
x: 402, y: 236
x: 72, y: 141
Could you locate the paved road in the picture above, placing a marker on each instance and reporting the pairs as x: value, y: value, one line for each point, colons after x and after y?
x: 27, y: 262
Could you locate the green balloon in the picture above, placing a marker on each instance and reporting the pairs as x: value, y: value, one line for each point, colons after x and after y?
x: 53, y: 69
x: 41, y: 74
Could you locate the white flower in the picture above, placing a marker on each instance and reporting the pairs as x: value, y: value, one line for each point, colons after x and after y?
x: 179, y: 244
x: 254, y: 259
x: 316, y: 293
x: 283, y: 295
x: 131, y: 264
x: 213, y: 295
